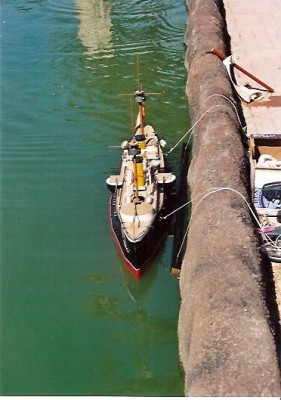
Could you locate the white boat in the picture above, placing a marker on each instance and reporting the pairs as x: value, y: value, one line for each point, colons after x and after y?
x: 142, y: 193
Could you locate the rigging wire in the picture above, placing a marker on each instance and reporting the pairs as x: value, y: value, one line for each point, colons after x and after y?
x: 203, y: 115
x: 232, y: 103
x: 211, y: 191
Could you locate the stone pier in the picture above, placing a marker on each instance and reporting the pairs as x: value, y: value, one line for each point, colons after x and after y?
x: 229, y: 332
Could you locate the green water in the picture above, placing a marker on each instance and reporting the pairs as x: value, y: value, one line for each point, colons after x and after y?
x: 73, y: 322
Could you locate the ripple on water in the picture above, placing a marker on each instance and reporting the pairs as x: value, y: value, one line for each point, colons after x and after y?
x: 60, y: 114
x: 62, y: 5
x: 104, y: 32
x: 94, y: 24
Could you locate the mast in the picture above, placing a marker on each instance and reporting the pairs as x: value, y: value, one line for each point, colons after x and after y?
x: 140, y: 98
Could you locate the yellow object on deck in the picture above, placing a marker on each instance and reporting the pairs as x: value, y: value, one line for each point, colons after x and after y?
x: 142, y: 144
x: 140, y: 137
x: 140, y: 175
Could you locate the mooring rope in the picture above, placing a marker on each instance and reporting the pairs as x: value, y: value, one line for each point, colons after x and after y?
x: 211, y: 191
x: 202, y: 196
x: 232, y: 102
x: 190, y: 130
x: 203, y: 115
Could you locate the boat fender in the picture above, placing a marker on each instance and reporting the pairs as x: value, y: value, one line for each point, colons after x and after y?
x: 124, y: 144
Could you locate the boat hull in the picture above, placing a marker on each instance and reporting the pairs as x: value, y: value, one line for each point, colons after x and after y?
x: 142, y: 194
x: 137, y: 255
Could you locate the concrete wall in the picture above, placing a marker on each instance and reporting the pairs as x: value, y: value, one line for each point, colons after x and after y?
x: 228, y: 329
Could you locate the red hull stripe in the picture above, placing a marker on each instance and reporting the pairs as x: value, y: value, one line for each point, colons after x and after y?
x: 128, y: 264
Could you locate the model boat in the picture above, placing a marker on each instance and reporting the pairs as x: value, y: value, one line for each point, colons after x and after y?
x: 142, y: 194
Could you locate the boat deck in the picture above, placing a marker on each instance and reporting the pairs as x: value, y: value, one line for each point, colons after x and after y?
x: 254, y: 29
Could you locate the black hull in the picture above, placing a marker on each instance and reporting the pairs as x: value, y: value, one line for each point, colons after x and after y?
x: 137, y: 255
x: 182, y: 214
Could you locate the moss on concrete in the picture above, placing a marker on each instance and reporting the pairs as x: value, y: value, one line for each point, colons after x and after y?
x: 227, y: 345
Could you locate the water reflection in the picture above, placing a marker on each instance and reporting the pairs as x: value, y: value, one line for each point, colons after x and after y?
x: 95, y: 27
x: 142, y: 379
x: 143, y: 360
x: 104, y: 334
x: 108, y: 304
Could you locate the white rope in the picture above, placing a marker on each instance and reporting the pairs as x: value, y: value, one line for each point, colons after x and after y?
x: 220, y: 189
x: 211, y: 191
x: 190, y: 130
x: 202, y: 116
x: 215, y: 190
x: 203, y: 196
x: 231, y: 101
